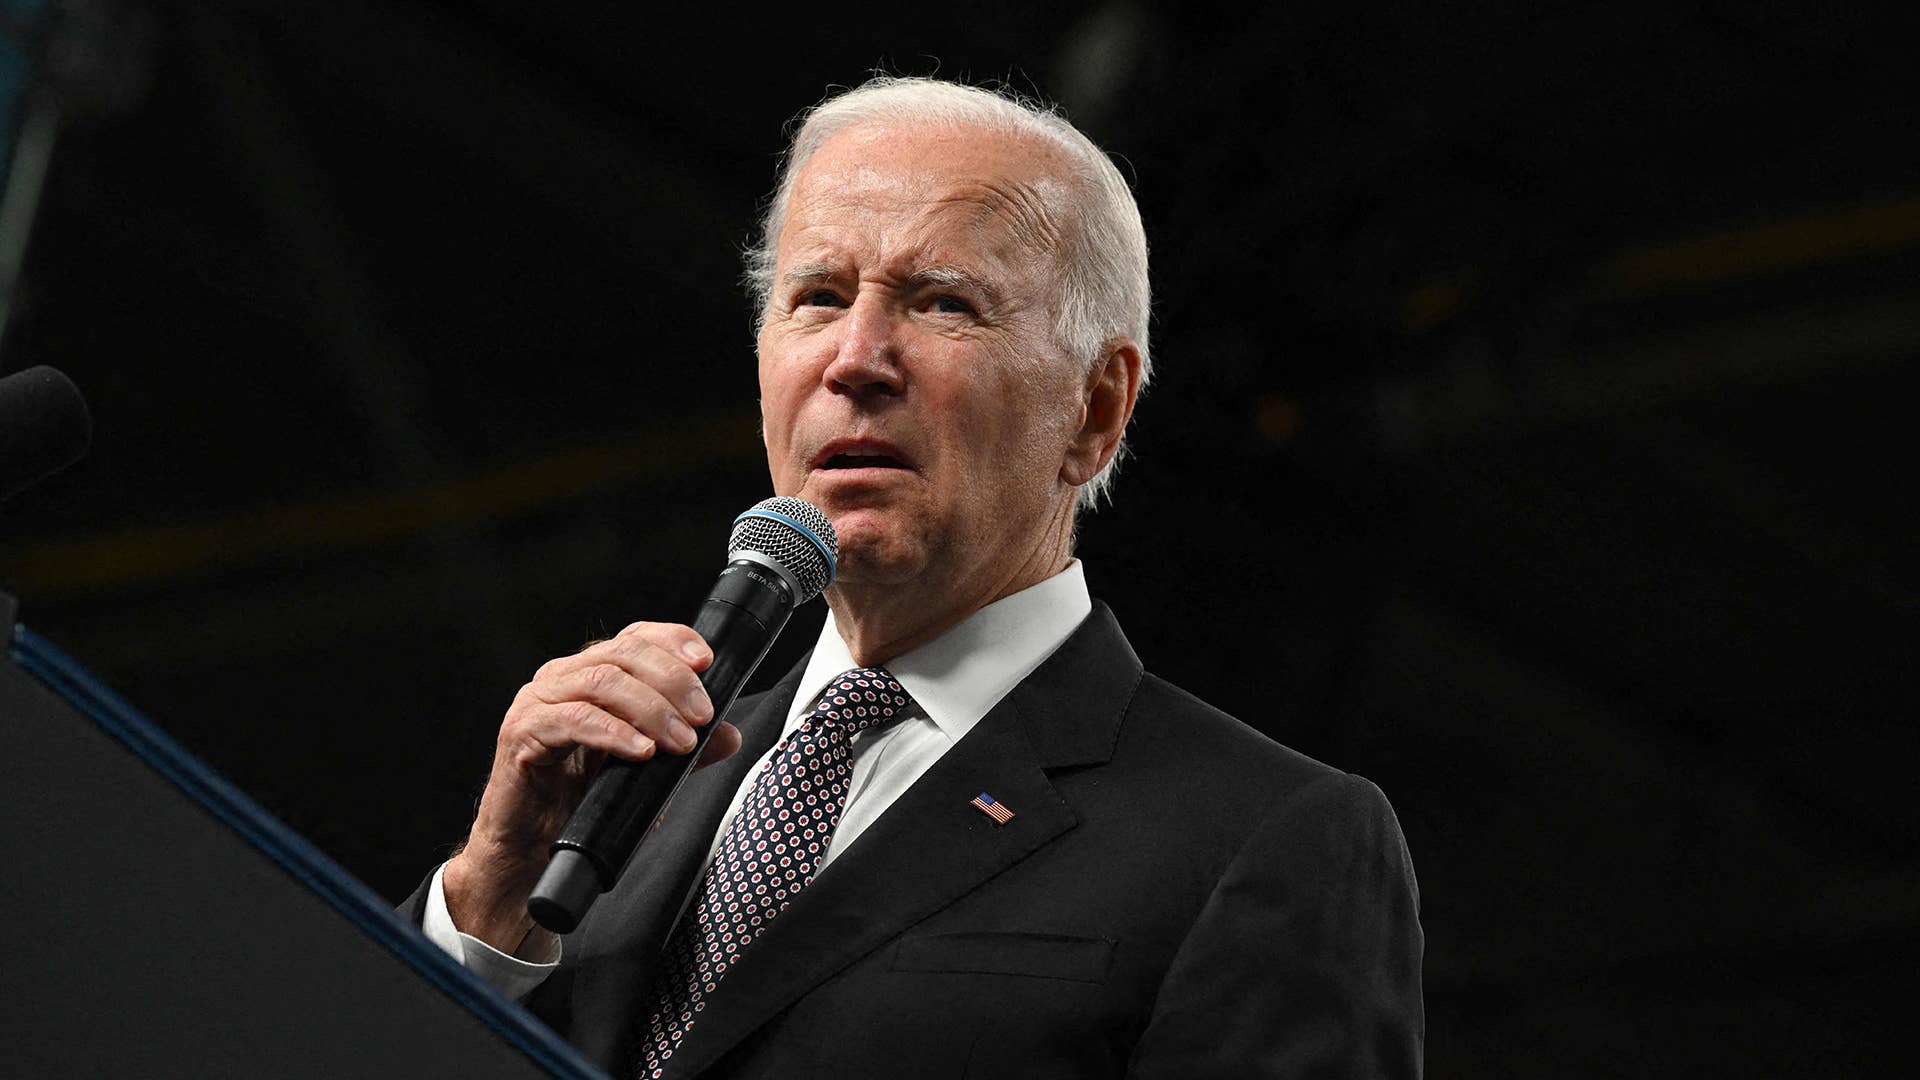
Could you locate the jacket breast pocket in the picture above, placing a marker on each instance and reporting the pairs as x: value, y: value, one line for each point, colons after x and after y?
x: 1043, y: 956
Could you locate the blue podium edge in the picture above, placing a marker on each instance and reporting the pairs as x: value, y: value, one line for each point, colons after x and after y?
x: 294, y: 854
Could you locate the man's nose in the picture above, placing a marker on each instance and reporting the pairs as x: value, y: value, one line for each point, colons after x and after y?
x: 868, y: 359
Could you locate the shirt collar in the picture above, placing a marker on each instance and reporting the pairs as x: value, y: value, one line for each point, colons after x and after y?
x: 960, y: 675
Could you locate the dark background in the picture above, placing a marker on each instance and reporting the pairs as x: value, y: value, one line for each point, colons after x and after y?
x: 1532, y: 381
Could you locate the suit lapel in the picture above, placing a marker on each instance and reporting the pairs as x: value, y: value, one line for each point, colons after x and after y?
x: 932, y: 847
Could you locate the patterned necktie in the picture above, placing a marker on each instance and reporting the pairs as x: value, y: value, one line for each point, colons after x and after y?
x: 769, y: 853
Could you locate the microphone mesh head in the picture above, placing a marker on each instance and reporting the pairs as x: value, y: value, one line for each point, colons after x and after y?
x: 44, y: 426
x: 793, y: 533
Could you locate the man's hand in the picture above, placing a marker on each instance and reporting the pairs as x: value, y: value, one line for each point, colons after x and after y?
x: 631, y: 696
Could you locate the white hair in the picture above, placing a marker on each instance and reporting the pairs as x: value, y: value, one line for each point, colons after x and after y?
x: 1104, y: 292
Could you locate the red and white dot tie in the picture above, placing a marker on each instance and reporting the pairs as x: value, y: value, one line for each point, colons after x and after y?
x: 769, y: 853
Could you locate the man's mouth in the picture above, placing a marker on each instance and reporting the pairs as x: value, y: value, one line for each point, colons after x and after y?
x: 860, y: 454
x: 864, y: 461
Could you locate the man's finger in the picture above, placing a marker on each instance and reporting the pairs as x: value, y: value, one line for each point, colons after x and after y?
x: 676, y: 638
x: 617, y: 690
x: 670, y: 675
x: 672, y: 637
x: 547, y: 733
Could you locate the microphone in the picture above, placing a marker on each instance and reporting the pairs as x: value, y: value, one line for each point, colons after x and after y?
x: 781, y: 555
x: 44, y: 427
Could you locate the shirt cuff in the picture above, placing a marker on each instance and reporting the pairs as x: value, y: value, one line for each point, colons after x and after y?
x: 515, y: 976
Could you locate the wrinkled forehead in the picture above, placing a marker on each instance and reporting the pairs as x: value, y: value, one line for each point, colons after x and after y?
x: 991, y: 186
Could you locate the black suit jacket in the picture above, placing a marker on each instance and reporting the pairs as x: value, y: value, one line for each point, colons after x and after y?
x: 1176, y: 896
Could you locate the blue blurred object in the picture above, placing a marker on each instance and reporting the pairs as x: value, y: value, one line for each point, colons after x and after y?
x: 22, y: 24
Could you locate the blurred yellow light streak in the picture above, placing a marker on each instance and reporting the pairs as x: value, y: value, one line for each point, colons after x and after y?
x: 1798, y: 242
x: 170, y: 550
x: 1791, y: 243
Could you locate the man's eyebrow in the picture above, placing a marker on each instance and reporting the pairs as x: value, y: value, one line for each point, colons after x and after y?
x: 937, y: 276
x: 808, y: 272
x: 953, y: 277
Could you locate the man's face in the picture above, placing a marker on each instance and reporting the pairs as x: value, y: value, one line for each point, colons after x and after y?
x: 912, y: 384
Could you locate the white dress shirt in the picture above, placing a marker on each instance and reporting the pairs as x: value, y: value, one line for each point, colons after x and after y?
x: 954, y: 680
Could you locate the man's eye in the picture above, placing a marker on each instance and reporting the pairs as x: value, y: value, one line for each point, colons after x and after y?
x: 820, y: 298
x: 952, y: 305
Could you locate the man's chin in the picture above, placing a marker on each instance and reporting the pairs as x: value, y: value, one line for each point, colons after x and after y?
x: 877, y: 549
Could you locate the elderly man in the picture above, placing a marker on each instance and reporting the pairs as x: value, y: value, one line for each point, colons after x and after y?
x: 1028, y: 857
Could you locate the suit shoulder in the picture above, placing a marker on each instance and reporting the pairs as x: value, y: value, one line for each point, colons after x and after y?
x: 1189, y: 780
x: 1162, y: 713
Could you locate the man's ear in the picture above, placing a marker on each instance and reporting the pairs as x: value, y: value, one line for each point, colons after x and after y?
x: 1106, y: 404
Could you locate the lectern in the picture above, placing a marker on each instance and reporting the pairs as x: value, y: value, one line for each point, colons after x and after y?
x: 157, y: 922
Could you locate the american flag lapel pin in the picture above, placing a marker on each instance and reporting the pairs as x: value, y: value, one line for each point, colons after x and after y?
x: 999, y: 813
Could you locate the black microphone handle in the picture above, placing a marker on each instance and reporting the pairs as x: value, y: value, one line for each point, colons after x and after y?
x: 746, y: 610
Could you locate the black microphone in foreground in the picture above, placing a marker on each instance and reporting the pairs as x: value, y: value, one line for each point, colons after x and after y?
x: 44, y: 427
x: 780, y: 556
